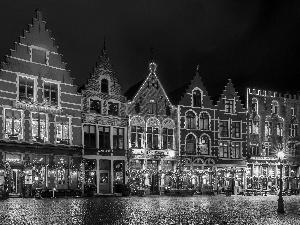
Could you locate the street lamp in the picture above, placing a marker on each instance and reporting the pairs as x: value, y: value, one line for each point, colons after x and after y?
x: 280, y: 208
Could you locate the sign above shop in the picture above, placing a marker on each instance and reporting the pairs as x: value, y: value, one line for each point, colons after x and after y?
x: 263, y: 158
x: 38, y: 108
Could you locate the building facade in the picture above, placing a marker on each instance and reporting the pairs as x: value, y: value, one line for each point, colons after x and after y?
x: 104, y: 125
x: 152, y: 135
x: 272, y: 127
x: 40, y: 122
x: 212, y: 138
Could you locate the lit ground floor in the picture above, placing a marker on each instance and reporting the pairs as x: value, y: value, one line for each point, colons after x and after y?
x: 104, y: 171
x: 151, y: 210
x: 25, y: 168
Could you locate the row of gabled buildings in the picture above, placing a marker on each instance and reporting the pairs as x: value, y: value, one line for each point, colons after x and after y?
x: 56, y: 136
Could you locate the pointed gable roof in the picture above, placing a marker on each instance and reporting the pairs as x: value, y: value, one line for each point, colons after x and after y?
x: 151, y: 81
x: 230, y: 93
x: 196, y: 82
x: 103, y: 70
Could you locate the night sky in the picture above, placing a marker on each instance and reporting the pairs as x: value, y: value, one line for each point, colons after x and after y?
x: 255, y: 43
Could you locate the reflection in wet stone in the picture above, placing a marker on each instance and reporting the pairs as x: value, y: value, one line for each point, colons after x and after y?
x: 150, y: 210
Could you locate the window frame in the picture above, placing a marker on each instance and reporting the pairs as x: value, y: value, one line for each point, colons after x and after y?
x: 191, y: 122
x: 152, y: 137
x: 104, y: 136
x: 196, y: 98
x: 117, y: 138
x: 235, y: 128
x: 224, y: 145
x: 50, y: 93
x: 166, y: 136
x: 104, y: 85
x: 110, y: 104
x: 97, y: 108
x: 26, y: 98
x: 38, y: 138
x: 222, y: 125
x: 138, y: 136
x: 13, y: 118
x: 85, y: 134
x: 202, y: 121
x: 229, y: 106
x: 236, y: 150
x: 63, y: 122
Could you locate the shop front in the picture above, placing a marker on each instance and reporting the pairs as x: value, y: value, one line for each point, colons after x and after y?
x: 104, y: 174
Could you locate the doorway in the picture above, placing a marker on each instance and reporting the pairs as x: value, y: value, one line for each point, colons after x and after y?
x: 15, y: 182
x: 104, y: 181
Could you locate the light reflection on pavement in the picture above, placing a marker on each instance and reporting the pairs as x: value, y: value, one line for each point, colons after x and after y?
x: 150, y: 210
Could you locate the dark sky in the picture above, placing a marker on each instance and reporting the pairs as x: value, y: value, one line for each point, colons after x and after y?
x: 255, y: 43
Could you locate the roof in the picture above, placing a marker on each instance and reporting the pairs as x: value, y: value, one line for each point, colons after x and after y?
x: 130, y: 93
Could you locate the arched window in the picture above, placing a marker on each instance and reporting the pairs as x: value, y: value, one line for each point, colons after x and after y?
x: 190, y: 120
x: 104, y: 86
x: 204, y: 121
x: 255, y: 124
x: 254, y: 105
x: 190, y: 144
x: 196, y: 98
x: 275, y: 107
x: 204, y: 145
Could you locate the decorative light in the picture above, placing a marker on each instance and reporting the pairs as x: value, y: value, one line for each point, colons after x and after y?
x: 280, y: 155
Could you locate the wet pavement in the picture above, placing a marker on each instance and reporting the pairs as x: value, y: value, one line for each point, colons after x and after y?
x: 150, y: 210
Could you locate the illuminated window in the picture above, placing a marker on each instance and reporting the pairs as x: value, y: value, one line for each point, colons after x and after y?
x: 236, y: 148
x: 268, y: 126
x: 190, y: 120
x: 39, y: 125
x: 224, y: 129
x: 152, y: 109
x: 95, y: 106
x: 152, y: 137
x: 62, y: 131
x: 293, y: 130
x: 236, y: 129
x: 275, y: 107
x: 113, y: 109
x: 204, y: 145
x: 204, y: 121
x: 26, y: 88
x: 104, y: 137
x: 104, y: 86
x: 254, y: 105
x: 197, y: 98
x: 292, y: 111
x: 229, y: 106
x: 279, y: 129
x: 50, y: 93
x: 190, y: 143
x: 13, y: 124
x: 136, y: 136
x: 223, y: 149
x: 118, y: 138
x: 254, y: 150
x: 167, y: 138
x: 89, y: 136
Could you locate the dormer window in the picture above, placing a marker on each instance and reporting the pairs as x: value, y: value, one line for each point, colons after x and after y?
x: 254, y: 105
x: 229, y: 106
x: 26, y: 88
x: 104, y: 86
x: 275, y: 107
x: 50, y: 93
x: 196, y: 98
x: 95, y: 106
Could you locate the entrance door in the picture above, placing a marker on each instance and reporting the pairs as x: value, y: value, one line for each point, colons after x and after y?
x: 154, y: 189
x: 15, y: 183
x: 104, y: 182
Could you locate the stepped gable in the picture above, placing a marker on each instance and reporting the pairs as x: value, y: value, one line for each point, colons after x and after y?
x: 36, y: 45
x: 103, y: 70
x: 196, y: 82
x: 230, y: 93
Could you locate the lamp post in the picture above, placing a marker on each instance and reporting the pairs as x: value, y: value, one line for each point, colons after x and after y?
x: 280, y: 208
